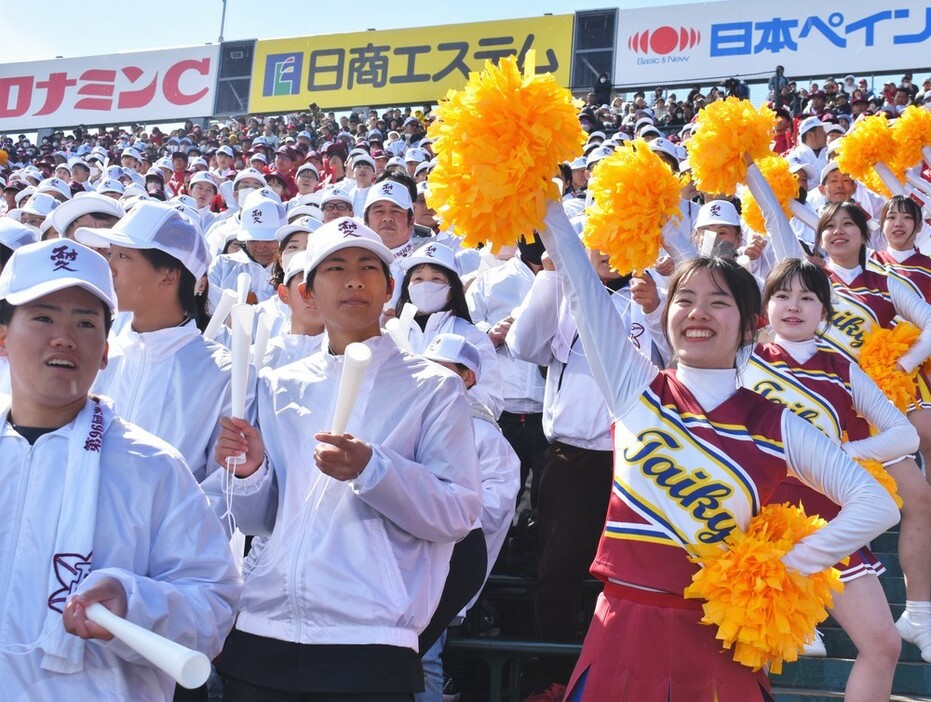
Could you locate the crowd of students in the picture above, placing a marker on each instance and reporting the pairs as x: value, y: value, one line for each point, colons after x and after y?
x: 536, y: 374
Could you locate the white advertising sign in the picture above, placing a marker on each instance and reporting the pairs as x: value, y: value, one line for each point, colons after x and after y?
x: 114, y: 89
x: 711, y: 40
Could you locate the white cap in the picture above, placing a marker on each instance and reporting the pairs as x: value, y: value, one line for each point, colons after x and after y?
x: 249, y: 173
x: 13, y: 234
x: 833, y: 127
x: 717, y: 212
x: 344, y: 233
x: 295, y: 266
x: 258, y: 156
x: 307, y: 167
x: 797, y: 163
x: 649, y: 129
x: 363, y: 158
x: 155, y: 225
x: 807, y: 124
x: 197, y: 161
x: 36, y: 270
x: 311, y: 211
x: 23, y: 194
x: 435, y: 255
x: 131, y: 152
x: 204, y: 177
x: 40, y: 204
x: 389, y: 191
x: 226, y: 151
x: 300, y: 225
x: 827, y: 170
x: 421, y: 167
x: 664, y: 146
x: 453, y: 348
x: 335, y: 195
x: 578, y: 164
x: 416, y: 155
x: 82, y: 204
x: 261, y: 217
x: 54, y: 185
x: 596, y: 155
x: 110, y: 185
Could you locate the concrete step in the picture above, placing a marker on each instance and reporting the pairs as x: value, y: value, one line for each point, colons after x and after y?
x: 830, y: 674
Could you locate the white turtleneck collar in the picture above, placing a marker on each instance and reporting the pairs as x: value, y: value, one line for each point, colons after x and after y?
x: 846, y: 274
x: 710, y: 386
x: 801, y: 351
x: 900, y: 256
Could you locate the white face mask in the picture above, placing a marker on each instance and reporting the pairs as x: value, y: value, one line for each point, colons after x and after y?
x: 95, y: 172
x: 242, y: 194
x: 429, y: 297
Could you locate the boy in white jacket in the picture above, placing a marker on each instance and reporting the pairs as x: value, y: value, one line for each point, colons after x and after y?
x: 97, y: 510
x: 361, y: 525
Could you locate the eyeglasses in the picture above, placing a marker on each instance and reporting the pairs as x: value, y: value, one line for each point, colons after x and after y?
x: 337, y: 207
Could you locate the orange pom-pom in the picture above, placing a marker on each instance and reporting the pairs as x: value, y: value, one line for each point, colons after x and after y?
x: 784, y: 184
x: 499, y: 141
x: 912, y: 132
x: 4, y: 157
x: 763, y: 610
x: 867, y: 143
x: 633, y: 193
x: 726, y: 131
x: 879, y: 355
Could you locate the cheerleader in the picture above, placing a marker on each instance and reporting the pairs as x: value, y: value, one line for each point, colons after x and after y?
x: 867, y: 298
x: 836, y: 396
x: 695, y: 457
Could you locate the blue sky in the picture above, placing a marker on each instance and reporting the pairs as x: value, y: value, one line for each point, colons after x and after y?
x: 45, y: 29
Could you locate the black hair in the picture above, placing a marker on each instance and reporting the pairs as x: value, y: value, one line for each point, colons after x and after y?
x: 812, y: 278
x: 729, y: 276
x: 193, y: 304
x: 6, y: 315
x: 858, y: 216
x: 457, y: 300
x: 904, y: 204
x: 5, y: 253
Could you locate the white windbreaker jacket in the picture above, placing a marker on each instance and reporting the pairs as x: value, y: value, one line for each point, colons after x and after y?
x: 175, y: 384
x: 155, y: 533
x: 363, y: 561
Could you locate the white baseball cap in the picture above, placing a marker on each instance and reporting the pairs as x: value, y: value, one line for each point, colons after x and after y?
x: 717, y: 212
x: 808, y: 124
x: 453, y: 348
x: 389, y: 191
x: 421, y: 167
x: 363, y: 158
x: 82, y: 204
x: 261, y: 217
x: 797, y: 163
x: 308, y: 167
x: 111, y: 185
x: 40, y: 204
x: 295, y: 266
x: 54, y: 185
x: 596, y: 155
x: 226, y: 151
x: 828, y: 170
x: 343, y: 233
x: 435, y: 255
x: 663, y: 145
x: 39, y: 269
x: 336, y: 195
x: 14, y: 234
x: 305, y: 224
x: 204, y: 177
x: 416, y: 155
x: 155, y: 225
x: 249, y: 173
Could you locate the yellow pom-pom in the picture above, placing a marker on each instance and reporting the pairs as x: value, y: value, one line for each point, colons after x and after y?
x: 727, y: 130
x: 4, y: 157
x: 633, y: 193
x: 499, y: 141
x: 912, y: 132
x: 879, y: 355
x: 867, y: 143
x: 784, y: 184
x: 763, y: 610
x: 876, y: 469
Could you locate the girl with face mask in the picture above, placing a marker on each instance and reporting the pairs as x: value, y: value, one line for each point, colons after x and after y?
x: 432, y: 284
